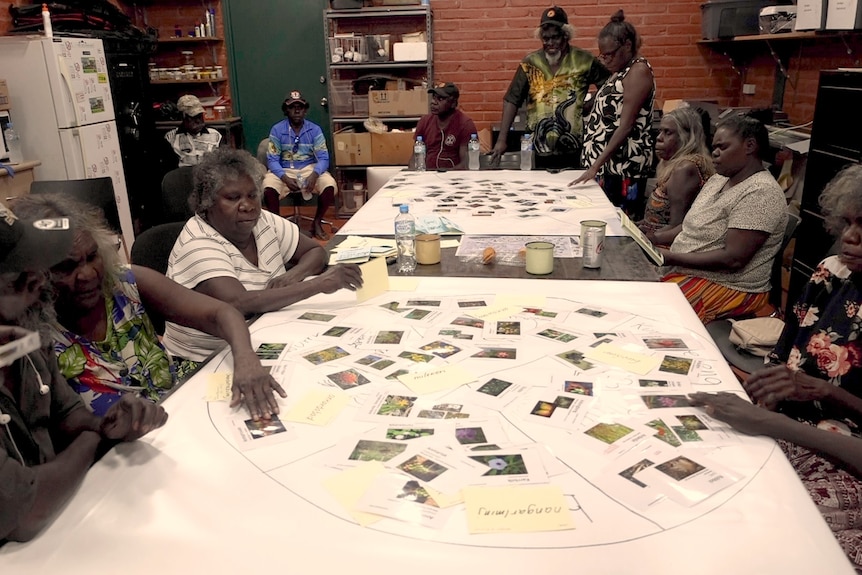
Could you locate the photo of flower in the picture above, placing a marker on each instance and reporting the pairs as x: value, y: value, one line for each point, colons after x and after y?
x: 470, y: 435
x: 396, y: 406
x: 348, y: 378
x: 502, y: 464
x: 494, y: 387
x: 325, y: 355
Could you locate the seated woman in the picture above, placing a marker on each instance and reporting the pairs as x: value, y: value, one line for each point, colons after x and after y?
x: 816, y: 388
x: 684, y: 166
x: 722, y: 252
x: 232, y: 251
x: 104, y: 340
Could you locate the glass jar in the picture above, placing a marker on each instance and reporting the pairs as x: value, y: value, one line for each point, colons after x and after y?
x: 188, y: 58
x: 218, y: 72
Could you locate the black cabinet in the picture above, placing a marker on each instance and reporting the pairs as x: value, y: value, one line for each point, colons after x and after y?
x: 835, y: 143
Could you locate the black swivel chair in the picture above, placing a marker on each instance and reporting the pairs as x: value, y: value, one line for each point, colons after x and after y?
x: 176, y: 188
x: 720, y: 328
x: 152, y: 249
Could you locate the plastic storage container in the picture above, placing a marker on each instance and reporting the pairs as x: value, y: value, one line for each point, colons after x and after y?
x: 728, y: 18
x: 777, y: 19
x: 347, y: 49
x: 341, y: 92
x: 378, y: 47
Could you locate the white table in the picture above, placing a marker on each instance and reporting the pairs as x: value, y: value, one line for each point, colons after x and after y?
x: 184, y: 499
x: 507, y: 186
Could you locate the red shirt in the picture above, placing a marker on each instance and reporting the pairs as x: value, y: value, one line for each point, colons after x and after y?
x: 443, y: 149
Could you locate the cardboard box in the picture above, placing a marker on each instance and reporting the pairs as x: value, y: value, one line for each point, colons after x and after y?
x: 4, y: 95
x: 352, y: 148
x: 410, y: 51
x: 392, y: 148
x: 810, y: 15
x: 387, y: 103
x: 844, y: 15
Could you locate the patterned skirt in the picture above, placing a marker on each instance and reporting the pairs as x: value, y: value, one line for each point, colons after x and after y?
x: 712, y: 301
x: 837, y: 494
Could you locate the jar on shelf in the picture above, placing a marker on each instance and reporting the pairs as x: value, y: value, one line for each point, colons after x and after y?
x: 218, y: 72
x: 153, y: 71
x: 188, y: 57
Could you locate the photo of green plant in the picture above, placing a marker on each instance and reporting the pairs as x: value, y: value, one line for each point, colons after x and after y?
x: 270, y: 350
x: 367, y: 450
x: 388, y: 337
x: 608, y: 432
x: 396, y: 406
x: 325, y: 355
x: 423, y: 468
x: 314, y: 316
x: 494, y: 387
x: 405, y: 433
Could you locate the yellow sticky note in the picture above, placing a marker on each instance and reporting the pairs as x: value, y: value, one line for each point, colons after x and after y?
x: 495, y: 312
x: 317, y: 407
x: 436, y: 379
x: 615, y: 355
x: 349, y: 486
x: 522, y: 509
x: 219, y: 386
x: 375, y: 279
x: 521, y: 300
x: 403, y: 283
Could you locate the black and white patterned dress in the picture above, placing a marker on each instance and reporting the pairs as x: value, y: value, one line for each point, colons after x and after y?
x: 634, y: 158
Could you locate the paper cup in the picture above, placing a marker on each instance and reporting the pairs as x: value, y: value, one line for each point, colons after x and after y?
x: 428, y: 249
x: 540, y: 258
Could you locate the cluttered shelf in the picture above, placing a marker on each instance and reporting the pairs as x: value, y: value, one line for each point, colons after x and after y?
x: 190, y: 40
x: 378, y: 11
x: 800, y: 36
x: 190, y: 81
x: 361, y: 119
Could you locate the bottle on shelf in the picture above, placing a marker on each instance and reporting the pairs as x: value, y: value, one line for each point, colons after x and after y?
x: 473, y: 152
x: 405, y: 240
x: 419, y: 154
x: 13, y: 144
x: 46, y: 22
x: 527, y: 152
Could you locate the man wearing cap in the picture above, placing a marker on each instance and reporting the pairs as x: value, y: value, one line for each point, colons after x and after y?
x: 446, y: 130
x: 49, y: 438
x: 192, y: 139
x: 298, y: 161
x: 553, y: 82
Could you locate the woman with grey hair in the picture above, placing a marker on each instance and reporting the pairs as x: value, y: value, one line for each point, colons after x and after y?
x: 684, y: 166
x: 104, y: 340
x: 810, y: 398
x: 233, y: 251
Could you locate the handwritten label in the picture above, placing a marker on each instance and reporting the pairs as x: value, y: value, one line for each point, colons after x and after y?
x: 317, y: 408
x: 520, y: 509
x: 437, y: 379
x: 614, y: 355
x: 495, y: 312
x: 219, y: 386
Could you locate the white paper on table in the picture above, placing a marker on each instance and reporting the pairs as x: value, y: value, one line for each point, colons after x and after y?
x: 249, y: 434
x: 688, y: 478
x: 510, y: 466
x: 619, y: 478
x: 552, y: 407
x: 399, y: 496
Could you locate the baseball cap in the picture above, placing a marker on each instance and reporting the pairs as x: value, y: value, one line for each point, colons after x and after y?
x: 554, y: 15
x: 32, y: 245
x: 445, y: 90
x: 190, y: 105
x: 293, y: 97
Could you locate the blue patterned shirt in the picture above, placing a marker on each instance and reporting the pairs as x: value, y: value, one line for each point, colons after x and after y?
x: 287, y: 149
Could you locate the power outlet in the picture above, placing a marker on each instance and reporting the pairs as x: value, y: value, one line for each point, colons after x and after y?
x: 748, y: 89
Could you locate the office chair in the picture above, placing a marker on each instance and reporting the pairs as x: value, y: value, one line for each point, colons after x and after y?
x: 295, y: 198
x: 720, y: 328
x: 98, y: 192
x: 152, y: 249
x: 176, y: 189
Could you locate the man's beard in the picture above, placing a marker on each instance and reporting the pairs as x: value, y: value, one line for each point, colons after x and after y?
x: 41, y: 317
x: 553, y: 59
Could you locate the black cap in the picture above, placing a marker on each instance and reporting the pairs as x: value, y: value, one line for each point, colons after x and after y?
x: 445, y: 90
x: 554, y: 15
x: 32, y: 245
x: 293, y: 97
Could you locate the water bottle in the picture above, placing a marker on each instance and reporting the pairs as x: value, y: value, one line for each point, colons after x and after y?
x: 473, y: 152
x: 419, y: 154
x: 527, y: 152
x: 13, y: 144
x: 405, y: 240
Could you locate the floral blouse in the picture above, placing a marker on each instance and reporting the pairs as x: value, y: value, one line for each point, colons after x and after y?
x: 130, y: 358
x: 633, y: 159
x: 821, y: 336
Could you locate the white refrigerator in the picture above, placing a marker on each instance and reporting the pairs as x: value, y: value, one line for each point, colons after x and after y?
x: 61, y: 106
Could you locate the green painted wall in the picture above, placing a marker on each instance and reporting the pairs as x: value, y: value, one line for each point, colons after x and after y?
x: 275, y: 46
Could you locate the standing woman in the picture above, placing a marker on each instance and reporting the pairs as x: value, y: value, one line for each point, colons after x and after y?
x: 617, y: 143
x: 684, y: 166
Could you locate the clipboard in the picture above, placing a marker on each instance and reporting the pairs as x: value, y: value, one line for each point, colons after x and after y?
x: 638, y: 236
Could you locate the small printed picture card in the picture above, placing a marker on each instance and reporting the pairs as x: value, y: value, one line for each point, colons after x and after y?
x: 510, y: 329
x: 609, y: 438
x: 323, y: 355
x: 346, y: 379
x: 687, y: 478
x: 269, y: 351
x: 665, y: 343
x: 404, y: 498
x: 343, y: 332
x: 675, y: 364
x: 555, y: 408
x: 317, y: 316
x: 442, y: 469
x: 251, y: 434
x: 495, y: 392
x: 442, y: 348
x: 557, y: 334
x: 496, y: 353
x: 594, y: 316
x: 619, y: 478
x: 575, y: 358
x: 521, y: 466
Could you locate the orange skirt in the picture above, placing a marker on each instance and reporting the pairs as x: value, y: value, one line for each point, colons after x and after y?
x: 713, y: 301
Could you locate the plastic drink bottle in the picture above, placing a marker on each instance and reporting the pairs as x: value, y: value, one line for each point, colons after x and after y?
x: 473, y: 152
x: 419, y: 154
x: 527, y: 152
x: 405, y: 240
x: 13, y: 144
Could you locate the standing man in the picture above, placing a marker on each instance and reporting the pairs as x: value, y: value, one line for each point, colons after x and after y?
x: 49, y: 439
x: 298, y: 161
x: 446, y: 130
x: 192, y: 139
x: 553, y: 82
